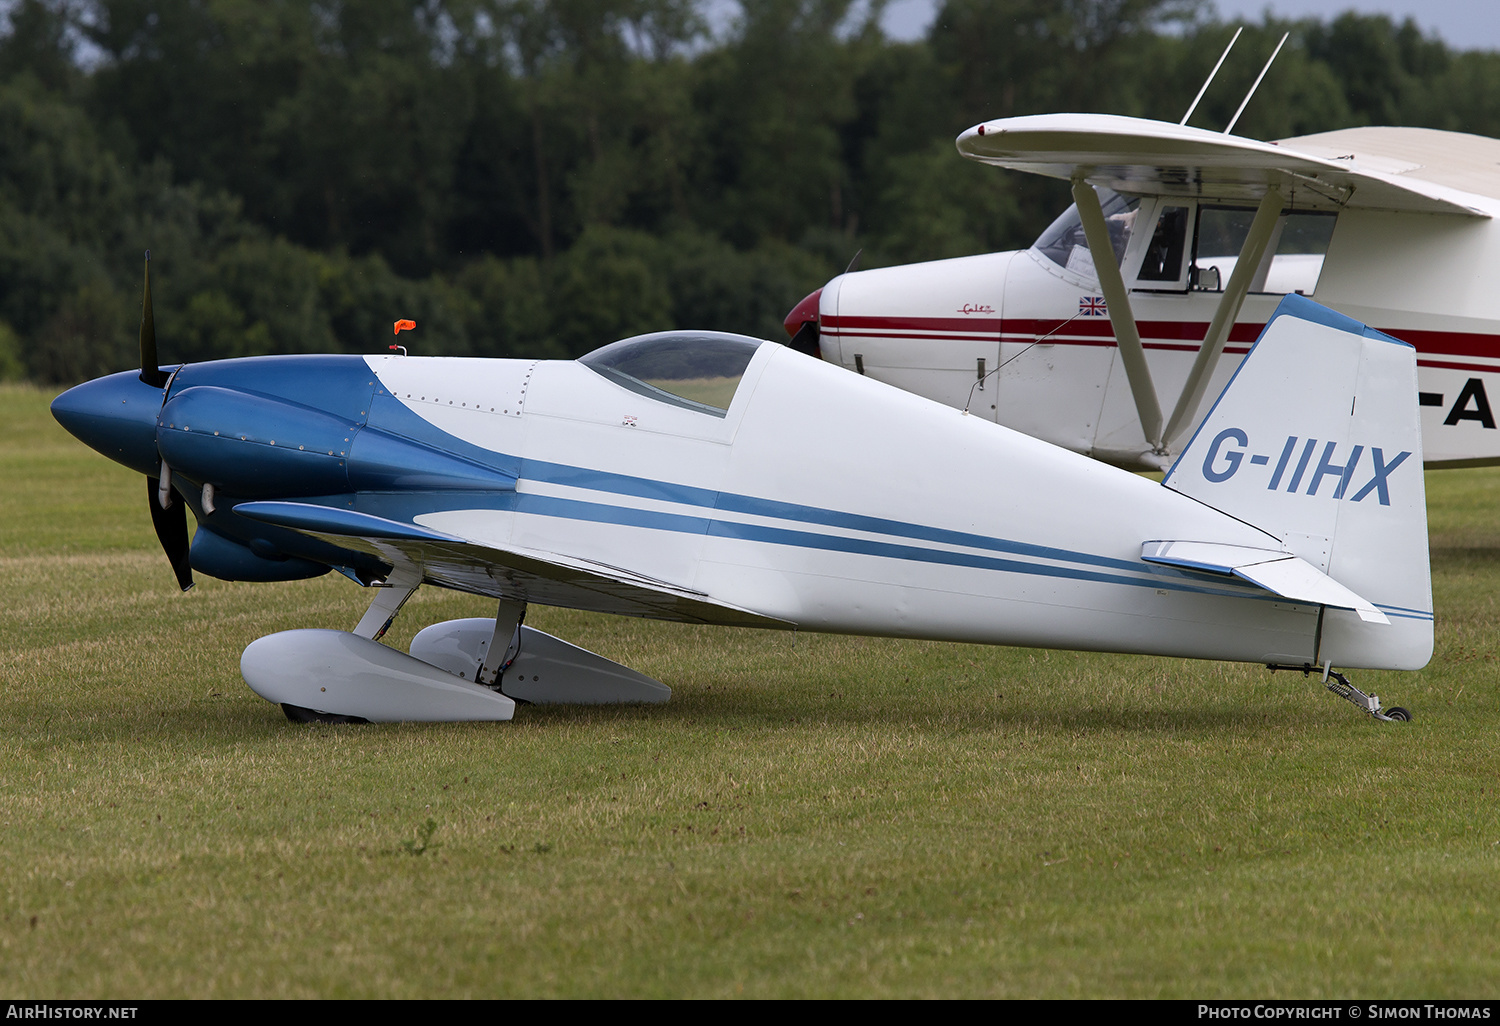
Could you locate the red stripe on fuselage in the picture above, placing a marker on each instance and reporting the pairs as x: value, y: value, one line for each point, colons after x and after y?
x: 839, y: 323
x: 1447, y: 365
x: 1154, y: 334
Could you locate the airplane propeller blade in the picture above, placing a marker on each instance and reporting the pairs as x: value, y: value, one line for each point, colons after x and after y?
x: 168, y: 514
x: 170, y: 522
x: 151, y: 372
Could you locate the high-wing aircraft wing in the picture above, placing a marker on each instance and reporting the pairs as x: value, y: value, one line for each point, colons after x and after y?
x: 486, y: 568
x: 1144, y: 157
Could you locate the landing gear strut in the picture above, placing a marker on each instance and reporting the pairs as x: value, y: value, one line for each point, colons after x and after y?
x: 1341, y: 686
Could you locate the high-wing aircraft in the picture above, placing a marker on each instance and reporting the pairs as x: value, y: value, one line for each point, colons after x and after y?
x: 1138, y: 303
x: 670, y: 476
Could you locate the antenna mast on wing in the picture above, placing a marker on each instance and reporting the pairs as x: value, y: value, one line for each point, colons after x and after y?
x: 1209, y: 80
x: 1256, y: 86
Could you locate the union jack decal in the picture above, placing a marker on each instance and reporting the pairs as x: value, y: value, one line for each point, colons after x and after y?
x: 1092, y: 306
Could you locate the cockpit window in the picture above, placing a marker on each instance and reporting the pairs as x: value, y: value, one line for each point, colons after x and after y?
x: 1064, y: 242
x: 697, y: 370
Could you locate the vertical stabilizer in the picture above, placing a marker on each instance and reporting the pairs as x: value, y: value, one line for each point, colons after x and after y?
x: 1316, y: 441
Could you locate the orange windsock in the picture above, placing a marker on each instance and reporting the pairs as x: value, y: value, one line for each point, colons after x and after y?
x: 405, y: 326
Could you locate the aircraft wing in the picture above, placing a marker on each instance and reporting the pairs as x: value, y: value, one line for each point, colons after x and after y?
x: 1154, y: 158
x: 1280, y: 573
x: 483, y: 568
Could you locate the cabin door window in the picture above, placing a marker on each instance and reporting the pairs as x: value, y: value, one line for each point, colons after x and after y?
x: 1294, y: 257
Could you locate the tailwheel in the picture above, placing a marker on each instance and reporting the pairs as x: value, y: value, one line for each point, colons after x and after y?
x: 1341, y: 686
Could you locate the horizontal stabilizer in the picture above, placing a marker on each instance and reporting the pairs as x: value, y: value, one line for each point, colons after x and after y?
x: 1280, y: 573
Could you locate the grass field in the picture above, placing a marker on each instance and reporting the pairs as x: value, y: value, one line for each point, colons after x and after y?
x: 808, y: 816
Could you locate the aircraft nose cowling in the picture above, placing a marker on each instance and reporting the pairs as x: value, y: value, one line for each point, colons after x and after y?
x: 254, y: 446
x: 803, y: 312
x: 114, y: 416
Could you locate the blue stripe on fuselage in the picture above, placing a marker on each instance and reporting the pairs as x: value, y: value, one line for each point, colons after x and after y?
x: 1091, y: 565
x: 595, y: 512
x: 392, y: 418
x: 731, y: 502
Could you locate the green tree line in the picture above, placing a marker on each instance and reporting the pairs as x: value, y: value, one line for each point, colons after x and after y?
x: 540, y: 177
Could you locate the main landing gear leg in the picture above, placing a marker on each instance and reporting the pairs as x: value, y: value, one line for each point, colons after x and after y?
x: 392, y: 595
x: 505, y: 644
x: 1340, y: 685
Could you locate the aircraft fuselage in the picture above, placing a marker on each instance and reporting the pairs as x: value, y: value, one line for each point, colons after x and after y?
x: 943, y: 328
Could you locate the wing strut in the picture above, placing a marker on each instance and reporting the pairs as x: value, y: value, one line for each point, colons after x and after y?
x: 1251, y: 254
x: 1107, y: 267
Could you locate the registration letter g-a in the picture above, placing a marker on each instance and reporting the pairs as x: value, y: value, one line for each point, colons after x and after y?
x: 1232, y: 458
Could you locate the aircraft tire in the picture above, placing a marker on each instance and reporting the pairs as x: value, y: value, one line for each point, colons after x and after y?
x: 297, y: 714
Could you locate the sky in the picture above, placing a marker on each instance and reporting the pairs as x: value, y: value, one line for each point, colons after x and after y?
x: 1462, y: 24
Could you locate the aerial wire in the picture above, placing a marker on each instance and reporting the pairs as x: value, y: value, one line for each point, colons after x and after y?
x: 1256, y: 86
x: 1209, y: 81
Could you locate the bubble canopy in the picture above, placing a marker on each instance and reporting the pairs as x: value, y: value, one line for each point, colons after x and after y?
x: 697, y: 370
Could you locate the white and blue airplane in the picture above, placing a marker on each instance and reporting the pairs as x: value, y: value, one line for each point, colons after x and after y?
x: 671, y: 476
